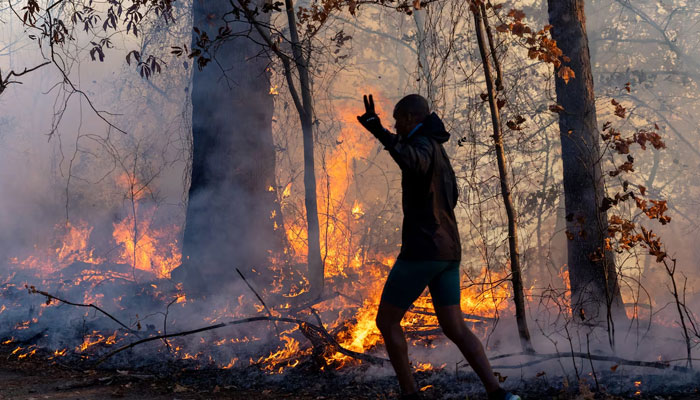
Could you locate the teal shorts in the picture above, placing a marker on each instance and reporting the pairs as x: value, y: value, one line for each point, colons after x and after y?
x: 408, y: 279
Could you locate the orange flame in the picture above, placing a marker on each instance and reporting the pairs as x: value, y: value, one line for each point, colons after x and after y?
x: 146, y: 248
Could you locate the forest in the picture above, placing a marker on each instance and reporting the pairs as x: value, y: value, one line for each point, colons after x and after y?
x: 190, y: 208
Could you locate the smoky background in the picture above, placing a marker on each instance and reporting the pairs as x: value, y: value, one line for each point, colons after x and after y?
x: 60, y: 162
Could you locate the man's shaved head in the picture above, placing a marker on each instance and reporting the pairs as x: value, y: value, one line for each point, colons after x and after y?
x: 409, y: 112
x: 414, y: 105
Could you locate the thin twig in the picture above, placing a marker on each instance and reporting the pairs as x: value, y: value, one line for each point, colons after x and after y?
x: 165, y: 324
x: 259, y: 298
x: 34, y: 290
x: 590, y: 360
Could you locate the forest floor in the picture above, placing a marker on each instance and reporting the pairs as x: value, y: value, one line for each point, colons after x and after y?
x: 38, y: 378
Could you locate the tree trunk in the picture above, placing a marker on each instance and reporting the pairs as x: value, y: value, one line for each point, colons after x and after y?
x: 595, y: 293
x: 516, y: 275
x: 306, y: 112
x: 422, y: 41
x: 229, y: 221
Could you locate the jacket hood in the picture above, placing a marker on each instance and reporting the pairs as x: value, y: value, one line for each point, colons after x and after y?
x: 433, y: 127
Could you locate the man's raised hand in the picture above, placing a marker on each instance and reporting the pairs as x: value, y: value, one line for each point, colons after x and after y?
x: 369, y: 104
x: 369, y: 119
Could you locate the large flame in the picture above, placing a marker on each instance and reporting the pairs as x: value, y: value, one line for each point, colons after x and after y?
x: 146, y: 248
x: 71, y: 246
x: 140, y: 244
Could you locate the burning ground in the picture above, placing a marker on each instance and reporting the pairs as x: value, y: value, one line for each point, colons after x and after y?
x: 80, y: 323
x: 42, y: 377
x: 93, y: 311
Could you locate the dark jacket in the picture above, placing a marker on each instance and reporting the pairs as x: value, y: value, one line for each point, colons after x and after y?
x: 429, y: 193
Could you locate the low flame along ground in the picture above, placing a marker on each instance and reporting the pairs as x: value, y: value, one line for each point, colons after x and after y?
x: 358, y: 272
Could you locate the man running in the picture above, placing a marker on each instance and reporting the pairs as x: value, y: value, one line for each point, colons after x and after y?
x: 430, y: 249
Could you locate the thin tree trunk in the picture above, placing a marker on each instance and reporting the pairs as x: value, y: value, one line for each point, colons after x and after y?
x: 316, y: 266
x: 595, y: 293
x: 516, y: 276
x: 419, y: 17
x: 304, y: 107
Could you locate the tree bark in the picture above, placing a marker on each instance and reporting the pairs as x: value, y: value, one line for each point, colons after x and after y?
x: 306, y: 112
x: 516, y: 275
x: 228, y: 221
x: 595, y: 293
x: 422, y: 41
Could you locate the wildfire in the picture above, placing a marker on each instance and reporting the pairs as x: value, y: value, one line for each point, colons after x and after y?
x: 343, y: 255
x: 487, y: 298
x: 355, y: 267
x: 230, y: 364
x: 71, y: 246
x: 146, y: 248
x: 141, y: 245
x: 94, y: 339
x: 58, y: 353
x: 336, y: 217
x: 421, y: 367
x: 356, y: 211
x: 284, y: 357
x: 29, y: 354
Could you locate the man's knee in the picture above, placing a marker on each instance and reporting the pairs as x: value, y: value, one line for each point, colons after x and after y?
x: 388, y: 317
x: 382, y: 324
x: 385, y: 323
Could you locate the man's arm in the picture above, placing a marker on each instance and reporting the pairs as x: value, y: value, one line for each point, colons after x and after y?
x: 415, y: 156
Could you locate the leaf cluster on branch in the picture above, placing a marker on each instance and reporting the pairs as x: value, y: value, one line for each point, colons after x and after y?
x: 57, y: 23
x: 624, y: 234
x: 539, y: 43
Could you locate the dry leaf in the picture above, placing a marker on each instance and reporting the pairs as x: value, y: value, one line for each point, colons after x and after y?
x: 179, y: 388
x: 500, y: 377
x: 556, y: 108
x: 566, y: 73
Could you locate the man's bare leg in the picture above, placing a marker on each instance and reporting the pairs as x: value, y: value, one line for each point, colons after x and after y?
x: 389, y: 324
x: 453, y: 325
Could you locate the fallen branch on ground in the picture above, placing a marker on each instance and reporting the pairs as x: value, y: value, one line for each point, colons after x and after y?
x: 596, y: 357
x: 303, y: 326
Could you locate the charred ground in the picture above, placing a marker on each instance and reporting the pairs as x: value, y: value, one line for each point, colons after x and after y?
x: 40, y: 377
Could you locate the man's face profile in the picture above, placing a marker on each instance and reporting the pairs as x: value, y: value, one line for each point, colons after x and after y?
x: 405, y: 122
